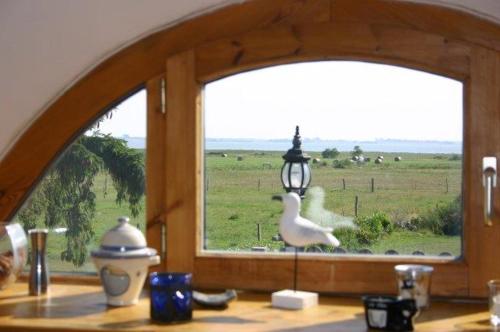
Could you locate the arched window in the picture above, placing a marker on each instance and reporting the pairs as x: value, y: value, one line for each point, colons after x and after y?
x: 386, y: 156
x: 97, y: 178
x: 178, y: 64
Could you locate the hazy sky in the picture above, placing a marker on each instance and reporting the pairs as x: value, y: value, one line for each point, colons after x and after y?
x: 129, y: 118
x: 328, y: 100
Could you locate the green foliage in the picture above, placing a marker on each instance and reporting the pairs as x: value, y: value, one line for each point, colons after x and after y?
x: 387, y: 225
x: 125, y: 165
x: 373, y: 228
x: 345, y: 163
x: 455, y: 157
x: 444, y: 219
x: 330, y: 153
x: 370, y: 229
x: 348, y: 238
x: 357, y: 151
x: 65, y: 196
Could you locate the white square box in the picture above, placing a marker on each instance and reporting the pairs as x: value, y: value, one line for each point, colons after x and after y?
x: 289, y: 299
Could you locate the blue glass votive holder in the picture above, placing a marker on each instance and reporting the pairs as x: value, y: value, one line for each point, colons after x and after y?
x: 171, y: 296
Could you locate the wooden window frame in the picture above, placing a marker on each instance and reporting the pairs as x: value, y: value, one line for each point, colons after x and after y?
x: 280, y: 45
x: 261, y: 33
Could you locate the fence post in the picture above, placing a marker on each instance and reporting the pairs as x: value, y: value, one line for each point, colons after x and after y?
x: 208, y: 183
x: 343, y: 184
x: 105, y: 185
x: 259, y: 234
x: 258, y: 185
x: 356, y: 201
x: 447, y: 188
x: 373, y: 185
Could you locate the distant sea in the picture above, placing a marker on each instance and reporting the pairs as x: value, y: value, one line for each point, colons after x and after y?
x: 318, y: 145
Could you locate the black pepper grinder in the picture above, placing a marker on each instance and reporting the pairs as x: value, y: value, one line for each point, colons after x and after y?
x: 39, y: 273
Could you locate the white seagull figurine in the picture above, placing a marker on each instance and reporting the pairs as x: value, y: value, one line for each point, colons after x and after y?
x: 299, y: 231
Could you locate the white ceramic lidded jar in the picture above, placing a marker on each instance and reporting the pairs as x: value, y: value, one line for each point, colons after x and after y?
x: 122, y: 262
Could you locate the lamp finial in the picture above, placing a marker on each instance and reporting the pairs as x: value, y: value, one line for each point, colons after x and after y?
x: 297, y: 142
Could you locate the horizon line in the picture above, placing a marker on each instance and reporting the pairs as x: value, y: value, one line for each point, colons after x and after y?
x: 316, y: 139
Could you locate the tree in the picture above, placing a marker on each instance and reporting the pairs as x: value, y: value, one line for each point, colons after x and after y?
x: 65, y: 197
x: 330, y: 153
x: 357, y: 151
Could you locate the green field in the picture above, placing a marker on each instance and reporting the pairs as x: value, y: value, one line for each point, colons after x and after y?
x: 238, y: 197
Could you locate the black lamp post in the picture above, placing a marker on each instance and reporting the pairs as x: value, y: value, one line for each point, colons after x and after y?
x: 295, y: 173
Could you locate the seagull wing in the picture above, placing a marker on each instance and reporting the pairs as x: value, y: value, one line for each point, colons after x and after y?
x: 309, y: 224
x: 315, y: 233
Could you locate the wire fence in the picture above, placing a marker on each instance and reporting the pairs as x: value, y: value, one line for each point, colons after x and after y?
x: 442, y: 184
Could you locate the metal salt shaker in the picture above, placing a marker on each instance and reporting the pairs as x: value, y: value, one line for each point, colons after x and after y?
x: 39, y: 273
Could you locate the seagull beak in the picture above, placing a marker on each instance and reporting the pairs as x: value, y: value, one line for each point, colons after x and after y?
x: 277, y: 198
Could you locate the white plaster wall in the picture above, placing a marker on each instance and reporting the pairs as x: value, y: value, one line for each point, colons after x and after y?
x: 46, y: 45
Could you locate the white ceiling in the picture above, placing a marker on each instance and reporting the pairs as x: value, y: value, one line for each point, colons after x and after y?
x: 47, y: 45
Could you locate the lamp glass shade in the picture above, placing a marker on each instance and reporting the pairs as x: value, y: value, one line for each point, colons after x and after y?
x: 307, y: 175
x: 284, y: 175
x: 295, y: 176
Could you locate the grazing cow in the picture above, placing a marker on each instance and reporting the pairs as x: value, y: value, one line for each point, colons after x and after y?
x: 316, y: 160
x: 398, y: 158
x: 224, y: 155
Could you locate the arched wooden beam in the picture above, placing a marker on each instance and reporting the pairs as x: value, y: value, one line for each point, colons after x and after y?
x: 339, y: 40
x: 131, y: 67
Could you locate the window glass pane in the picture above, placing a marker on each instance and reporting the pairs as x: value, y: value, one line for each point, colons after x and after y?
x: 98, y: 178
x: 386, y: 157
x: 296, y: 175
x: 307, y: 175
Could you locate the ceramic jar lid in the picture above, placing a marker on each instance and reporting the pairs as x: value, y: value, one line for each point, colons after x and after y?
x: 123, y: 241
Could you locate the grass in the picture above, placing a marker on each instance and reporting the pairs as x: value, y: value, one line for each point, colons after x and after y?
x: 405, y: 243
x: 238, y: 197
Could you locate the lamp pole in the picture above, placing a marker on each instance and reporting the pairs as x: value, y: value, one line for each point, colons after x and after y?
x: 296, y: 177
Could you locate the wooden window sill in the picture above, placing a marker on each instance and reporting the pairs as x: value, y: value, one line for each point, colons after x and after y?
x: 83, y: 308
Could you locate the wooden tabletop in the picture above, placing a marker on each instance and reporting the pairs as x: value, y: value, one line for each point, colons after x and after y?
x: 83, y: 308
